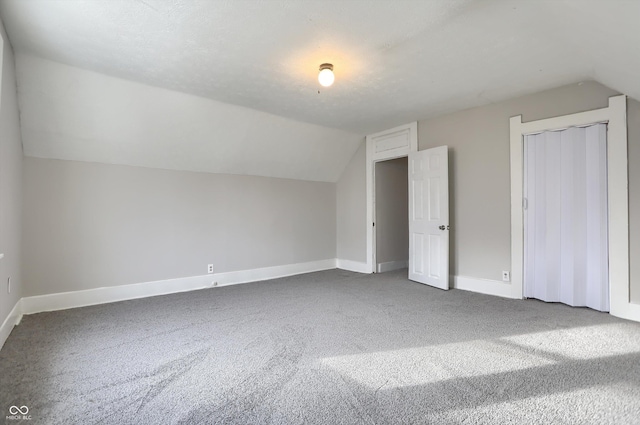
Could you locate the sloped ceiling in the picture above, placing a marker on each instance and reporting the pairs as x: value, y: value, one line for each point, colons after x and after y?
x: 395, y: 61
x: 73, y: 114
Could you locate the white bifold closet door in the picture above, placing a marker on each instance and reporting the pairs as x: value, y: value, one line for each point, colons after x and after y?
x: 565, y: 217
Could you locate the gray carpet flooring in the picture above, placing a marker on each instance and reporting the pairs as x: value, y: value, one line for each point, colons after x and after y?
x: 330, y: 347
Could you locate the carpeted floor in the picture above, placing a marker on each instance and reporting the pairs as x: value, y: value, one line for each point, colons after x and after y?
x: 331, y: 347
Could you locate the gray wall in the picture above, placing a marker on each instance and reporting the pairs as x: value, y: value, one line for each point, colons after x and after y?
x: 352, y: 209
x: 479, y: 178
x: 480, y: 182
x: 88, y: 225
x: 10, y: 184
x: 392, y: 210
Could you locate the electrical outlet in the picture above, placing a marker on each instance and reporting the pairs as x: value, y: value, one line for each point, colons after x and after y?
x: 506, y: 276
x: 9, y: 285
x: 210, y: 268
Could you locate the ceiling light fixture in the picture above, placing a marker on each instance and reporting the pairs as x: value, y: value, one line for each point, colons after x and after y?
x: 326, y: 77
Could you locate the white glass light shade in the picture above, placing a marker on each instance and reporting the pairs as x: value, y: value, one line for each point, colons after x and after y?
x: 326, y: 77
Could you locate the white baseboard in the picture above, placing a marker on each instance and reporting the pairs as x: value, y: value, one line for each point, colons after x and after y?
x: 12, y: 320
x: 87, y: 297
x: 255, y: 275
x: 352, y: 266
x: 483, y: 286
x: 392, y: 265
x: 630, y: 312
x: 65, y: 300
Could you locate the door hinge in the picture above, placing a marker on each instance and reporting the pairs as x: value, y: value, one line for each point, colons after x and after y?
x: 525, y: 203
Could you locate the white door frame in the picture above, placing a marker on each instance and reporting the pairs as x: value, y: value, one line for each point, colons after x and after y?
x: 618, y: 196
x: 393, y: 143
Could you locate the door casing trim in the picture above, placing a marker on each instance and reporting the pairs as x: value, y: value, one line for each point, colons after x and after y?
x: 615, y: 115
x: 393, y: 143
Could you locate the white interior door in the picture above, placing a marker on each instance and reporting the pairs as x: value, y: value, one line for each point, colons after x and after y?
x: 565, y: 218
x: 429, y: 217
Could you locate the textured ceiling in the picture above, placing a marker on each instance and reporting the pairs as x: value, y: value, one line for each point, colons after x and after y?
x: 73, y: 114
x: 395, y: 61
x: 229, y: 86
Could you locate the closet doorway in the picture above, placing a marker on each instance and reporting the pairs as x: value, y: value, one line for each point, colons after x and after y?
x: 566, y: 257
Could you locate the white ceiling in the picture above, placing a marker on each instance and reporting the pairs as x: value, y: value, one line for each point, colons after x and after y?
x: 73, y: 114
x: 231, y: 86
x: 395, y: 61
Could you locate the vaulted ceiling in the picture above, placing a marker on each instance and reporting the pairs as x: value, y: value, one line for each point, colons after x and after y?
x: 395, y: 61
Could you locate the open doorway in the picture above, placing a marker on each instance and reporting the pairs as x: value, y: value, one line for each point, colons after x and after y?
x: 391, y: 214
x: 427, y: 205
x: 397, y: 142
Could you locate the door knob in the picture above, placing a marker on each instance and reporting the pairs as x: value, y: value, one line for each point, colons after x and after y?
x: 443, y: 227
